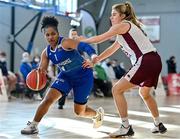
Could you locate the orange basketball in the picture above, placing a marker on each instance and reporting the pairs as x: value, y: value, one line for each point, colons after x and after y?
x: 36, y: 80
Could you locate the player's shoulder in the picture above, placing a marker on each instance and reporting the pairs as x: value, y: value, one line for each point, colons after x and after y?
x: 121, y: 28
x: 68, y: 43
x: 45, y: 52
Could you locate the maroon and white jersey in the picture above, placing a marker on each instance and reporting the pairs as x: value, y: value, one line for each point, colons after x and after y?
x: 134, y: 43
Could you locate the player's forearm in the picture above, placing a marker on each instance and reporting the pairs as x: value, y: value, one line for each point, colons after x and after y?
x: 109, y: 51
x: 95, y: 39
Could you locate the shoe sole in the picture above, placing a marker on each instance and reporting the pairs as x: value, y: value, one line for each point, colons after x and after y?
x: 26, y: 133
x: 130, y: 135
x: 162, y: 132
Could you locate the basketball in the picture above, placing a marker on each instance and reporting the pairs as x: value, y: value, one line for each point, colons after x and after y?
x: 36, y: 80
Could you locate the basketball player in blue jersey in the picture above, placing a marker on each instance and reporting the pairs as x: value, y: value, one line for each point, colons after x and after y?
x: 145, y: 60
x: 65, y: 54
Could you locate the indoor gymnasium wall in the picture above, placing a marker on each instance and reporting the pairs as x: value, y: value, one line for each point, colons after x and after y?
x: 22, y: 16
x: 169, y: 13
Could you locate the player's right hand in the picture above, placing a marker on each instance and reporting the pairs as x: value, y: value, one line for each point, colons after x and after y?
x: 95, y: 59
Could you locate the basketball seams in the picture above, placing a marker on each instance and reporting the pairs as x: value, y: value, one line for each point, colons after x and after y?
x: 37, y: 81
x: 28, y: 81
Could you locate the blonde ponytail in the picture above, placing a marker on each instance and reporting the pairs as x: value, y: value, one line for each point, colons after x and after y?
x: 127, y: 9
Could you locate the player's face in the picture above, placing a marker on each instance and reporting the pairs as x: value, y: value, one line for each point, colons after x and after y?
x: 115, y: 17
x: 51, y: 36
x: 74, y: 35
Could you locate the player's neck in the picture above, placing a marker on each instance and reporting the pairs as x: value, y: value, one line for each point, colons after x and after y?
x: 54, y: 46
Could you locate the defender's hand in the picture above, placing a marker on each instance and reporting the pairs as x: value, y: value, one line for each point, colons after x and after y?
x: 87, y: 64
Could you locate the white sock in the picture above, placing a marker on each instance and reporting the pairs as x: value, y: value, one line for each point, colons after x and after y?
x: 125, y: 122
x: 156, y: 120
x: 35, y: 123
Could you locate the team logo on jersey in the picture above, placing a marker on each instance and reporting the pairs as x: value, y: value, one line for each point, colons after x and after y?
x: 63, y: 65
x: 59, y: 80
x: 65, y: 62
x: 62, y: 68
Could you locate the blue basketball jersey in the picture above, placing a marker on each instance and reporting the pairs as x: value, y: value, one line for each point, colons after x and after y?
x: 72, y: 75
x: 67, y: 61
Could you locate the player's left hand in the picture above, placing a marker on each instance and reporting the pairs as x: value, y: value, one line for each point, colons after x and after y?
x: 87, y: 64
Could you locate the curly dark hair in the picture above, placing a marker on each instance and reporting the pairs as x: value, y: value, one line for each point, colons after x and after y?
x: 49, y: 21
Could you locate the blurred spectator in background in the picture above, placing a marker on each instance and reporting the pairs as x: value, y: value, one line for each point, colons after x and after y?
x: 8, y: 76
x: 25, y: 66
x: 102, y: 84
x: 73, y: 34
x: 171, y: 65
x: 119, y: 71
x: 35, y: 61
x: 107, y: 65
x: 25, y: 69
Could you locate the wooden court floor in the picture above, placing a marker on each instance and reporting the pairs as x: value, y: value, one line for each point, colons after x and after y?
x: 62, y: 124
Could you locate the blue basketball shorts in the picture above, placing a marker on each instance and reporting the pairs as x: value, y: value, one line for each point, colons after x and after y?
x: 81, y: 85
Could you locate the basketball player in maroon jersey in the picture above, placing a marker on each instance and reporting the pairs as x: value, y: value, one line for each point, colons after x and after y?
x: 145, y: 60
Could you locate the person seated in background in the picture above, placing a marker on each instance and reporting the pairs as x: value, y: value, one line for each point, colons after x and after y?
x: 119, y: 71
x: 107, y: 65
x: 102, y: 84
x: 25, y: 66
x: 171, y: 65
x: 9, y: 77
x: 73, y: 34
x: 25, y: 69
x: 35, y: 61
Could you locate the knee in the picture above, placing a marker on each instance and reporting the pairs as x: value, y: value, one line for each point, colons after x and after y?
x: 48, y: 101
x: 145, y: 96
x: 116, y: 90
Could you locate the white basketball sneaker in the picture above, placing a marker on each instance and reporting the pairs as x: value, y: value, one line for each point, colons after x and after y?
x: 98, y: 119
x: 122, y: 132
x: 159, y: 129
x: 30, y: 129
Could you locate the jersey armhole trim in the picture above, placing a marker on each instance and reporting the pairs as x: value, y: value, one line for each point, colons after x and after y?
x: 128, y: 29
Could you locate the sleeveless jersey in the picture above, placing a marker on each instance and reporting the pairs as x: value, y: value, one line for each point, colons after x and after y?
x: 134, y: 43
x: 68, y: 61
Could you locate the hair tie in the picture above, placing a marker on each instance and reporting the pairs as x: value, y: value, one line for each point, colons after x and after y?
x: 126, y: 4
